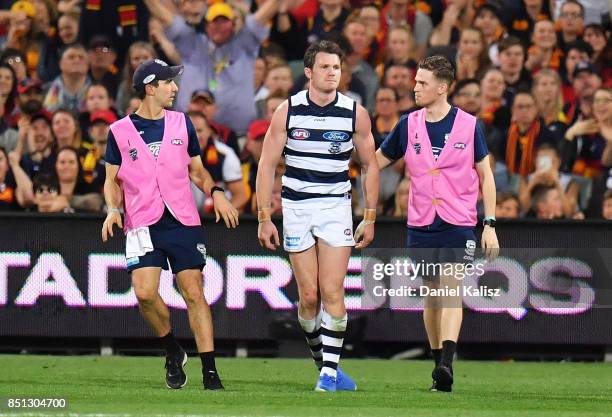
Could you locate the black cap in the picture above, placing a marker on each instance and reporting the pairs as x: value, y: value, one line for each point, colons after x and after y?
x: 584, y: 66
x: 154, y: 69
x: 491, y: 7
x: 100, y: 41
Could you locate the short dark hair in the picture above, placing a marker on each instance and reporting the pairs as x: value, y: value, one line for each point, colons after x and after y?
x: 576, y: 2
x: 393, y: 90
x: 78, y: 46
x: 441, y: 67
x: 142, y: 93
x: 548, y: 146
x: 607, y: 195
x: 580, y: 46
x: 508, y: 42
x: 461, y: 84
x: 193, y: 114
x: 503, y: 196
x: 321, y: 46
x: 539, y: 193
x: 277, y: 94
x: 45, y: 180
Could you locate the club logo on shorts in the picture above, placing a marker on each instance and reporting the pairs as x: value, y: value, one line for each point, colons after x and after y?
x: 459, y: 145
x: 334, y: 148
x: 202, y: 249
x: 177, y: 141
x: 348, y: 232
x: 292, y: 241
x: 470, y: 250
x: 300, y: 134
x: 417, y: 148
x: 133, y: 154
x: 336, y: 136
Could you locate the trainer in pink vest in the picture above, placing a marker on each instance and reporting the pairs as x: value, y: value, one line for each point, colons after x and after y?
x: 448, y: 186
x: 147, y: 182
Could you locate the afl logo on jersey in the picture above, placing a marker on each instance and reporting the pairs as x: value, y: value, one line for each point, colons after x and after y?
x: 300, y: 134
x: 335, y: 136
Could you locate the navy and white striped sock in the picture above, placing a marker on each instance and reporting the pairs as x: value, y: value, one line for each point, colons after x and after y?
x: 332, y: 334
x: 312, y: 331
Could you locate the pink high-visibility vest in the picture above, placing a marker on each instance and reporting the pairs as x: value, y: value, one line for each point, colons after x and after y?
x: 448, y: 186
x: 149, y: 184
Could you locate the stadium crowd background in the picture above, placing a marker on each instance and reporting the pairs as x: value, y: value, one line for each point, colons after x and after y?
x: 538, y: 73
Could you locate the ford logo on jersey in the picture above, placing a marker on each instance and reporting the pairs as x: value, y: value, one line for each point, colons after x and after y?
x: 336, y: 136
x: 300, y: 134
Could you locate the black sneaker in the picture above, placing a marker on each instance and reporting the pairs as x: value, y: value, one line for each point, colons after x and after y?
x: 434, y: 386
x: 443, y: 377
x: 211, y: 381
x: 175, y: 374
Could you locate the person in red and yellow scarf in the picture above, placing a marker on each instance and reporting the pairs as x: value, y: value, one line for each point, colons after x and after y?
x: 544, y: 52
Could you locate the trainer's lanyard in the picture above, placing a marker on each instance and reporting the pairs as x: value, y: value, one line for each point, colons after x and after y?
x: 219, y: 64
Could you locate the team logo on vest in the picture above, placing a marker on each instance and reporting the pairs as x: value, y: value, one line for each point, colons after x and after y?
x: 417, y: 148
x: 334, y: 148
x: 133, y: 154
x: 336, y: 136
x: 177, y: 141
x: 459, y: 145
x: 300, y: 134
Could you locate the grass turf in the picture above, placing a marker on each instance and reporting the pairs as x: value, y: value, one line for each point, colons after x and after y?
x: 134, y: 386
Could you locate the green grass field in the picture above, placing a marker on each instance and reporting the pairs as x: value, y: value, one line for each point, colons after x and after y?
x: 134, y: 386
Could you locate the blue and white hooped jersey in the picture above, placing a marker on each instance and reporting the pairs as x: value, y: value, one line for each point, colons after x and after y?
x: 317, y: 152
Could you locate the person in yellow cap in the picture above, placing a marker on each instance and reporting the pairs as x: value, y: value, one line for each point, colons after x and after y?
x: 221, y: 60
x: 22, y: 34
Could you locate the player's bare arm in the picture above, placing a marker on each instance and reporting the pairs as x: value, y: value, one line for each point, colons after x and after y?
x: 273, y: 146
x: 113, y: 197
x: 487, y: 186
x: 364, y: 144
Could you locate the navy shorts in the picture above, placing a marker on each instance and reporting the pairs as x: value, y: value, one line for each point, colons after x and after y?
x: 450, y: 243
x: 174, y: 243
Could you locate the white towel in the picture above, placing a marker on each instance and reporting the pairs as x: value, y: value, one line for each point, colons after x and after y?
x: 138, y: 242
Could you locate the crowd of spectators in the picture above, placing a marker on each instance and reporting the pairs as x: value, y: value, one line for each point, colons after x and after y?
x: 536, y: 73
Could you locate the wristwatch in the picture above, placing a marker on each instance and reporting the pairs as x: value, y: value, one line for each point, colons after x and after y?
x: 215, y: 188
x: 489, y: 221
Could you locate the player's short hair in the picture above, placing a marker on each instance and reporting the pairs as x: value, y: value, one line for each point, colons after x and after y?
x: 441, y: 67
x: 321, y: 46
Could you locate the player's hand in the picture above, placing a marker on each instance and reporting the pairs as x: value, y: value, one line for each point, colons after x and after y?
x: 268, y: 235
x: 365, y: 230
x: 112, y: 218
x: 489, y: 243
x: 225, y: 210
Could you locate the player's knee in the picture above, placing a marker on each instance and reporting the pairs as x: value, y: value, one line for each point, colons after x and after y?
x: 332, y: 297
x: 309, y: 300
x: 145, y: 296
x: 192, y: 295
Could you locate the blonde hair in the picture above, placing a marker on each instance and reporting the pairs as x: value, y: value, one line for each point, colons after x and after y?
x: 558, y: 104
